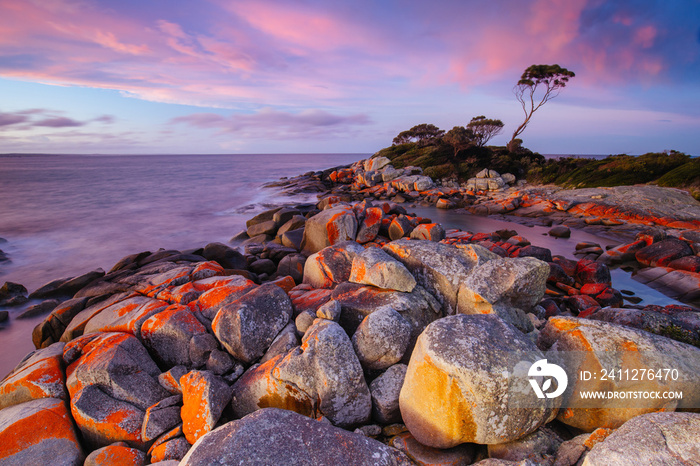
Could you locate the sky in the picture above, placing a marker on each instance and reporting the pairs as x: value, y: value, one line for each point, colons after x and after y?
x: 260, y: 76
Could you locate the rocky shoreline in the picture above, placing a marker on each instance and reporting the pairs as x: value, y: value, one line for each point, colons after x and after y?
x: 351, y: 331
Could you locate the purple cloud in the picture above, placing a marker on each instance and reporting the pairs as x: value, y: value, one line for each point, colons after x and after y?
x: 7, y: 119
x: 58, y: 122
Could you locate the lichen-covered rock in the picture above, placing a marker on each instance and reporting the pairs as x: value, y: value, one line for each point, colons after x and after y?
x: 168, y: 333
x: 204, y: 397
x: 39, y: 432
x: 504, y: 287
x: 663, y: 252
x: 171, y: 450
x: 463, y: 385
x: 247, y: 327
x: 321, y: 377
x: 370, y: 225
x: 381, y: 339
x: 418, y: 307
x: 117, y: 454
x: 375, y: 267
x: 439, y: 268
x: 385, y: 391
x: 103, y: 420
x: 118, y: 364
x: 269, y: 435
x: 125, y: 316
x: 161, y: 417
x: 399, y: 227
x: 331, y: 265
x: 39, y: 375
x: 77, y: 324
x: 588, y: 271
x: 655, y: 438
x: 429, y: 232
x: 602, y: 345
x: 329, y: 227
x: 214, y: 299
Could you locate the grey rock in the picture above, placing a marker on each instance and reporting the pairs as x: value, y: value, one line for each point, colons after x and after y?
x: 295, y: 223
x: 226, y: 256
x: 261, y: 266
x: 303, y: 321
x: 201, y: 346
x: 247, y: 327
x: 219, y: 362
x: 504, y: 287
x: 43, y: 307
x: 262, y: 217
x: 168, y: 333
x: 284, y: 215
x: 268, y: 435
x: 321, y: 377
x: 656, y: 438
x: 385, y: 391
x: 268, y: 228
x: 283, y: 342
x: 381, y: 339
x: 539, y: 447
x: 161, y: 417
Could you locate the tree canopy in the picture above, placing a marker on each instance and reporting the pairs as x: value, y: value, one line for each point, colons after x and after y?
x: 484, y: 129
x: 423, y: 134
x: 549, y: 78
x: 459, y: 138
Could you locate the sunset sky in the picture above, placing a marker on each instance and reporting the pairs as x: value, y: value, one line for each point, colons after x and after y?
x: 258, y: 76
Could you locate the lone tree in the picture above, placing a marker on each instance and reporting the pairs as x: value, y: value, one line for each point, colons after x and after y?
x: 551, y: 78
x: 423, y: 134
x: 484, y: 129
x: 459, y: 138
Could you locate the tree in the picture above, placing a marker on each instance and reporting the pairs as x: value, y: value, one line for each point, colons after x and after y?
x: 484, y: 129
x: 423, y: 134
x: 459, y: 138
x: 551, y: 78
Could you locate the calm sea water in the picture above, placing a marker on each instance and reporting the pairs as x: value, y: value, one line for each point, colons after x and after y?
x: 66, y: 215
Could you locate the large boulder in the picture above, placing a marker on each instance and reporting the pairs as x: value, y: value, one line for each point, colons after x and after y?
x: 271, y: 436
x: 247, y: 327
x: 655, y: 438
x: 439, y: 268
x: 39, y: 432
x: 597, y: 347
x: 331, y: 265
x: 464, y: 385
x: 321, y: 377
x: 111, y: 380
x: 39, y: 375
x: 329, y: 227
x: 375, y: 267
x: 506, y: 287
x: 226, y: 256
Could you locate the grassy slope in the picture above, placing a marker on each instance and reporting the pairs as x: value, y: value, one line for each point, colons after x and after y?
x: 673, y: 169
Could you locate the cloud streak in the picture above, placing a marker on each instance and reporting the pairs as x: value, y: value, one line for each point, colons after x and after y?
x: 276, y: 124
x: 43, y: 118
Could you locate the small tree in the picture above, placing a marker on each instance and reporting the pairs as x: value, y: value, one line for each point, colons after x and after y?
x: 484, y: 129
x: 459, y: 138
x: 423, y: 134
x: 550, y: 77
